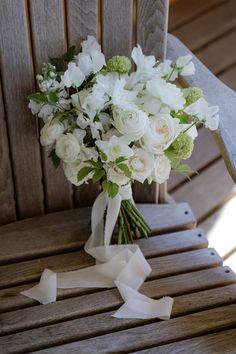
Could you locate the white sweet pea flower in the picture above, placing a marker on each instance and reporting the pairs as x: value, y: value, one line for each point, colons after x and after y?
x: 50, y: 132
x: 141, y: 164
x: 34, y: 107
x: 162, y: 131
x: 79, y: 134
x: 168, y: 93
x: 161, y: 171
x: 145, y: 64
x: 88, y: 153
x: 94, y: 102
x: 46, y: 112
x: 115, y: 175
x: 149, y: 104
x: 205, y: 113
x: 73, y: 76
x: 115, y: 147
x: 71, y: 171
x: 192, y: 132
x: 68, y: 148
x: 91, y: 60
x: 166, y: 71
x: 186, y: 65
x: 131, y: 124
x: 90, y: 45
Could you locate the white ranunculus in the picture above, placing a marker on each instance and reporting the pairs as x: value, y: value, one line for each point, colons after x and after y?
x: 168, y: 93
x: 162, y: 168
x: 141, y: 164
x: 115, y: 147
x: 131, y: 124
x: 162, y: 131
x: 186, y: 65
x: 51, y: 132
x: 73, y: 76
x: 115, y: 175
x: 68, y: 148
x: 204, y: 112
x: 71, y: 171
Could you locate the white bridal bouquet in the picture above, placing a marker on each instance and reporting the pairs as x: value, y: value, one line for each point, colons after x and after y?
x: 112, y: 126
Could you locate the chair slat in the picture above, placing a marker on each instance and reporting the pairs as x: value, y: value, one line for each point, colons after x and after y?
x: 18, y: 81
x: 117, y: 27
x: 7, y: 202
x: 75, y: 329
x: 172, y: 286
x: 217, y: 343
x: 49, y: 40
x: 68, y: 230
x: 82, y: 20
x: 153, y: 334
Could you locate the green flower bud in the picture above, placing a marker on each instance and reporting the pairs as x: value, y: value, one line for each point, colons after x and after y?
x: 119, y: 64
x: 192, y: 94
x: 183, y: 146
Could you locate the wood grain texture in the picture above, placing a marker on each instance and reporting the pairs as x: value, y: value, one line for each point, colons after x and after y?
x: 117, y: 27
x: 229, y: 77
x: 205, y: 151
x: 153, y: 334
x: 216, y: 93
x: 208, y: 27
x: 71, y: 330
x: 170, y: 286
x: 18, y: 81
x: 145, y: 192
x: 82, y: 20
x: 7, y: 201
x: 49, y: 41
x: 217, y: 343
x: 152, y: 21
x: 181, y: 12
x: 218, y: 189
x: 68, y: 230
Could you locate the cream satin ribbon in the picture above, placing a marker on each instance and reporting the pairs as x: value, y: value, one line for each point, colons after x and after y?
x: 123, y: 266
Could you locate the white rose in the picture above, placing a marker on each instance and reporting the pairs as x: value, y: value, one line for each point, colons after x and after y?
x: 51, y: 132
x: 71, y: 171
x: 115, y: 175
x: 168, y: 93
x: 132, y: 124
x: 162, y: 131
x: 68, y: 148
x: 141, y: 164
x: 162, y: 168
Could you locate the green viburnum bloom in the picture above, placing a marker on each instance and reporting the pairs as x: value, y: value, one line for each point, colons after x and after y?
x: 119, y: 64
x: 183, y: 146
x: 192, y: 94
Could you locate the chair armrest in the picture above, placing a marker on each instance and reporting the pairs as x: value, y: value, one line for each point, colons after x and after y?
x: 216, y: 93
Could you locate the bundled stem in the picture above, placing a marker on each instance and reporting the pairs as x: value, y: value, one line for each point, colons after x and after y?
x: 131, y: 224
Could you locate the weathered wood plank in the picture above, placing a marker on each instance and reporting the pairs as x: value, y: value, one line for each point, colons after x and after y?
x: 49, y: 41
x: 29, y: 271
x: 156, y: 333
x: 208, y: 27
x: 152, y: 21
x: 172, y: 286
x: 217, y: 343
x: 82, y: 20
x: 17, y: 82
x: 68, y: 230
x: 7, y: 202
x: 205, y: 151
x: 117, y: 27
x: 194, y: 191
x: 229, y: 77
x: 76, y: 329
x: 181, y: 12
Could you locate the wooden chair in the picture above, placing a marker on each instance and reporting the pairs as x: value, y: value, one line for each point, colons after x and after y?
x: 47, y: 221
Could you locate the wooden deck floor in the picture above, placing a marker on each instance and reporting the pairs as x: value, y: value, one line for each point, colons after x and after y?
x: 208, y: 28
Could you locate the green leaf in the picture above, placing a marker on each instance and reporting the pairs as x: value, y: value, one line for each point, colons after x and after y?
x: 184, y: 169
x: 103, y: 155
x: 70, y: 54
x: 96, y: 164
x: 124, y: 168
x: 38, y: 97
x: 183, y: 117
x: 120, y: 159
x: 84, y: 172
x: 98, y: 174
x: 55, y: 159
x: 111, y: 188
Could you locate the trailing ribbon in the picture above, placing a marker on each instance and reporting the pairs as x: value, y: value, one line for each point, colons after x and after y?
x: 123, y: 266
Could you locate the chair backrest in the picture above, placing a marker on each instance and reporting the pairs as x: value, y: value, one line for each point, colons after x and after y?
x: 30, y: 33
